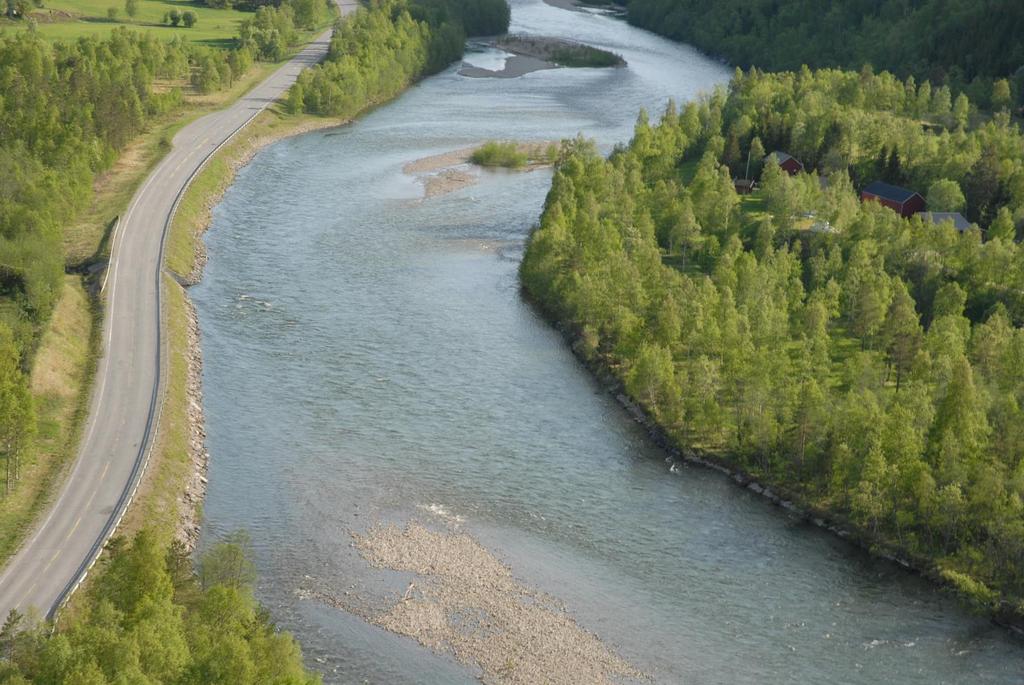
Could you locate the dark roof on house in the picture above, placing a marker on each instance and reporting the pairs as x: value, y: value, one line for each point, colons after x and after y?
x: 890, y: 192
x: 959, y: 222
x: 782, y: 157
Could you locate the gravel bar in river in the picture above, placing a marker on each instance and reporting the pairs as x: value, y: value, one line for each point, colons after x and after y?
x: 464, y: 600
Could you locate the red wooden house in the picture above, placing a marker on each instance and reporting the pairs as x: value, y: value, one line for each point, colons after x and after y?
x: 901, y: 200
x: 787, y: 162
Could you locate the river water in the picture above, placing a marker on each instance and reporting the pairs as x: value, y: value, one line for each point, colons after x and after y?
x: 368, y: 357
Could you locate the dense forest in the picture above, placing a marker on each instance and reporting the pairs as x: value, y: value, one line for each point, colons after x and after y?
x: 869, y: 364
x: 150, y: 619
x: 965, y: 44
x: 384, y: 48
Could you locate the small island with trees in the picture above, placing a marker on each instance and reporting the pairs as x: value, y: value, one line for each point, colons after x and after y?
x: 512, y: 155
x: 560, y: 52
x: 537, y: 53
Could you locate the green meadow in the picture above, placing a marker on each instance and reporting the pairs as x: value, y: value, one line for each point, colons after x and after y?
x: 71, y: 19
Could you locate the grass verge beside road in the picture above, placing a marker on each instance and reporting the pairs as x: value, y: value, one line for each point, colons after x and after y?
x: 157, y: 504
x: 60, y: 383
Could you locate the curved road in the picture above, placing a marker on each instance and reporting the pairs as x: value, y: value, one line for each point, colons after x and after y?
x: 127, y: 392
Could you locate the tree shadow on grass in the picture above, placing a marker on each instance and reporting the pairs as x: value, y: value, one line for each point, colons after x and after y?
x: 184, y: 3
x: 202, y: 5
x: 221, y: 43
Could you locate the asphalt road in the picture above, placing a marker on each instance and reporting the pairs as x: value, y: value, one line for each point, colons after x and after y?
x: 127, y: 393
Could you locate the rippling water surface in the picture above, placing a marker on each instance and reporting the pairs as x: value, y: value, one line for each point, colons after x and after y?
x: 368, y: 357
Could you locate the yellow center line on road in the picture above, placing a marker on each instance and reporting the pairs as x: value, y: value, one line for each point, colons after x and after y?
x: 73, y: 529
x: 52, y: 559
x: 97, y: 488
x: 79, y: 520
x: 189, y: 154
x: 29, y: 592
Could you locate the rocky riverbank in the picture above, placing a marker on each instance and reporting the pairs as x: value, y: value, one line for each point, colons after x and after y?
x: 190, y: 504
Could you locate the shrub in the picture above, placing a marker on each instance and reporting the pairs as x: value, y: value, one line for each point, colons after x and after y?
x: 551, y: 153
x: 945, y: 196
x: 585, y: 56
x: 269, y: 33
x: 496, y: 154
x: 978, y: 595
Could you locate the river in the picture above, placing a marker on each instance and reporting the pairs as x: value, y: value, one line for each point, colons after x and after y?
x: 368, y: 357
